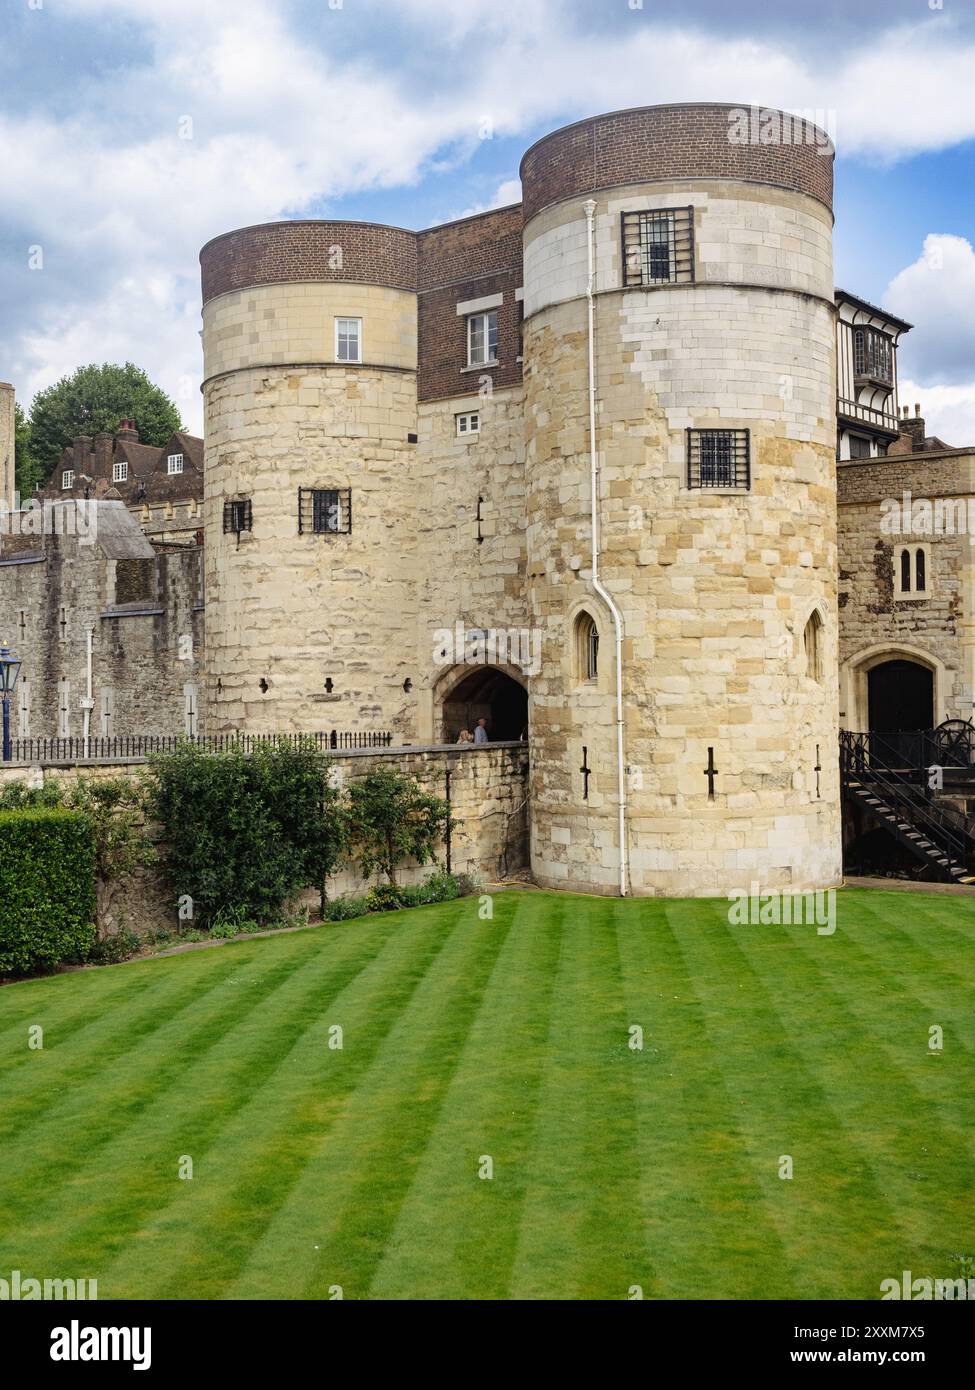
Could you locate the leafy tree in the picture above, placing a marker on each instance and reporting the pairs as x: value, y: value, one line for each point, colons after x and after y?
x: 28, y: 472
x: 391, y: 819
x: 95, y: 398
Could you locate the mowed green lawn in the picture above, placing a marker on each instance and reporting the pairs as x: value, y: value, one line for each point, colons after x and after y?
x: 612, y: 1167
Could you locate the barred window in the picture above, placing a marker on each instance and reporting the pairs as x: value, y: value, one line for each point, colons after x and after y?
x: 238, y: 516
x: 872, y: 355
x: 324, y: 511
x: 718, y: 458
x: 658, y: 247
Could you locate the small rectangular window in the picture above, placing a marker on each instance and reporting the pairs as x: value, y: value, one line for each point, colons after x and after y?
x: 324, y: 511
x: 859, y: 447
x: 120, y: 471
x: 482, y: 338
x: 238, y: 516
x: 348, y: 340
x: 469, y: 423
x: 718, y: 458
x: 67, y: 478
x: 174, y: 463
x: 658, y: 247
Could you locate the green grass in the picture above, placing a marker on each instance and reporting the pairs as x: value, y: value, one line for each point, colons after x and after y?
x: 358, y: 1167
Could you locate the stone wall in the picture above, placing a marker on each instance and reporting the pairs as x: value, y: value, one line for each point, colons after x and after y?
x: 148, y: 646
x: 488, y: 795
x: 936, y: 630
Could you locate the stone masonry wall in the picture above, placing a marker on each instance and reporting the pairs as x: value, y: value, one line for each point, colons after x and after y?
x: 488, y: 794
x: 716, y: 586
x: 148, y: 637
x: 938, y: 629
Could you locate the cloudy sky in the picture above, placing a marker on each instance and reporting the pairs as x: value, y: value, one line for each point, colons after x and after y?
x: 133, y: 130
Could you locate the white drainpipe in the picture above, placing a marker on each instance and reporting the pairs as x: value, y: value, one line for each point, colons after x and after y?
x: 590, y: 209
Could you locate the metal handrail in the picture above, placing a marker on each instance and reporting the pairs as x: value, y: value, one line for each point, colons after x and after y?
x: 859, y: 757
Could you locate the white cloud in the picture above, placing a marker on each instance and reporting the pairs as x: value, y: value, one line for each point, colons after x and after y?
x: 949, y: 411
x: 937, y: 295
x: 280, y: 119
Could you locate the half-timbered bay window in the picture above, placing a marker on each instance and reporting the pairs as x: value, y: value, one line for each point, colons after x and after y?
x: 718, y: 458
x: 658, y: 247
x: 873, y: 358
x: 325, y: 511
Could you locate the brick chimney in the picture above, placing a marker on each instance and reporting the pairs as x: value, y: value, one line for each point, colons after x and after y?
x: 103, y: 455
x: 912, y: 429
x: 127, y: 431
x: 81, y: 445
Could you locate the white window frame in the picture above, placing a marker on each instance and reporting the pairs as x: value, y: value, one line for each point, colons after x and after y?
x: 67, y: 478
x: 468, y: 423
x: 341, y: 333
x: 120, y: 471
x: 479, y: 325
x: 174, y: 464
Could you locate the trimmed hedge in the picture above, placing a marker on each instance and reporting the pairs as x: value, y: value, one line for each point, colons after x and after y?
x: 47, y: 888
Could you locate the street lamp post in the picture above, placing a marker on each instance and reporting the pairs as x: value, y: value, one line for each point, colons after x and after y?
x: 9, y: 671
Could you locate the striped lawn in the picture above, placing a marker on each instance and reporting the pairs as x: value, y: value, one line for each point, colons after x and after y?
x: 612, y: 1167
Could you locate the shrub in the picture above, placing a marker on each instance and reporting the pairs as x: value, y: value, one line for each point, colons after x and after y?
x: 341, y: 909
x: 385, y: 898
x: 47, y: 888
x: 118, y: 946
x: 245, y: 832
x: 440, y: 887
x: 392, y: 819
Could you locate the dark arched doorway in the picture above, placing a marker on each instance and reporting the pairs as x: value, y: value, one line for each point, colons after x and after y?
x: 901, y: 702
x: 489, y: 693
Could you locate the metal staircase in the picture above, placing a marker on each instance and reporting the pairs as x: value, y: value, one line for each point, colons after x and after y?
x: 935, y: 833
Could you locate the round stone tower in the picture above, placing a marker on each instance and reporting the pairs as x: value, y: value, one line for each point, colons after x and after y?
x: 713, y: 396
x: 309, y: 343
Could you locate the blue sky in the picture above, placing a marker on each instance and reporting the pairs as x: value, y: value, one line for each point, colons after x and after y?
x: 133, y: 130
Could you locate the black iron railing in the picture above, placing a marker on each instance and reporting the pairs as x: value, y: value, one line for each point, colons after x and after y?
x: 872, y: 761
x: 121, y: 747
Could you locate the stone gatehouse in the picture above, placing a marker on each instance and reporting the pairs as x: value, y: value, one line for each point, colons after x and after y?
x: 570, y: 466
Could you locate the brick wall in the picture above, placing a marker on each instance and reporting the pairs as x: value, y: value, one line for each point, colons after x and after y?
x: 464, y: 260
x: 289, y: 251
x: 664, y: 142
